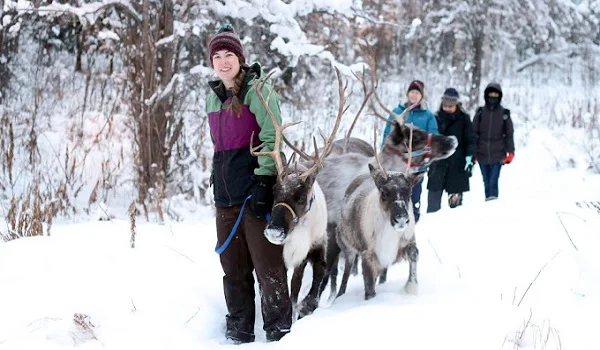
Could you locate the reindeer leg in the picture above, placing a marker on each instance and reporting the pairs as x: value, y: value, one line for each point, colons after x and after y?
x: 348, y: 260
x: 296, y: 283
x: 333, y: 274
x: 369, y: 267
x: 412, y: 285
x: 332, y: 258
x: 355, y: 266
x: 311, y: 302
x: 383, y: 276
x: 349, y: 257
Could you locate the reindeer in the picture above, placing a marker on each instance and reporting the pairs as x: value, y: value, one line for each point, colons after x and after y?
x: 378, y: 224
x: 340, y: 170
x: 406, y: 149
x: 354, y: 145
x: 396, y: 155
x: 298, y: 218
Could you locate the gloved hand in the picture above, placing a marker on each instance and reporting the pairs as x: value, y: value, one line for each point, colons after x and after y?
x: 262, y: 195
x: 469, y: 164
x: 509, y: 158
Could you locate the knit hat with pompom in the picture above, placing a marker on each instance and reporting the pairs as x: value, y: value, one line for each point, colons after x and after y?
x: 226, y: 39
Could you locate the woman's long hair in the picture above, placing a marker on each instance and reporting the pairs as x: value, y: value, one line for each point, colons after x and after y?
x: 236, y: 104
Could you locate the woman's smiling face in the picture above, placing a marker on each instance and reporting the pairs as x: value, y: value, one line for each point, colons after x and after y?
x: 227, y: 65
x: 414, y: 96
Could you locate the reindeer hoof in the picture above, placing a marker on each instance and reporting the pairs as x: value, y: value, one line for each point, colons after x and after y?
x: 369, y: 296
x: 303, y: 313
x: 307, y: 308
x: 411, y: 288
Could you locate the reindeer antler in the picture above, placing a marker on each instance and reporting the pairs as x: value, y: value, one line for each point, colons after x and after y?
x: 375, y: 148
x: 400, y: 118
x: 367, y: 95
x: 275, y: 153
x: 409, y: 147
x: 318, y: 159
x: 342, y: 108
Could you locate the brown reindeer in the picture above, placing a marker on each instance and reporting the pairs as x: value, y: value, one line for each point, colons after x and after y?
x: 298, y: 218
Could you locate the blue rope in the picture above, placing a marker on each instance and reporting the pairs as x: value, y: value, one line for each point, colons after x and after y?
x: 296, y: 219
x: 417, y: 152
x: 221, y: 249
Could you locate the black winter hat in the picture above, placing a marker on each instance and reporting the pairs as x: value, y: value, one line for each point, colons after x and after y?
x: 493, y: 86
x: 451, y: 96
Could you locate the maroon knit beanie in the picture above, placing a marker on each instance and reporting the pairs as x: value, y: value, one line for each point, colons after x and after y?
x: 416, y: 85
x: 226, y: 39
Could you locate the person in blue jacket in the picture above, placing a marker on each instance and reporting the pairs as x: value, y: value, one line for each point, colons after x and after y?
x: 422, y: 118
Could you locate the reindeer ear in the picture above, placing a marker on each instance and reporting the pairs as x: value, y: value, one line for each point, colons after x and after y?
x: 372, y: 169
x: 376, y: 174
x: 397, y: 135
x: 415, y: 178
x: 310, y: 180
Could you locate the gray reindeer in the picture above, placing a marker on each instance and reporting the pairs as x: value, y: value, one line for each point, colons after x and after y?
x: 378, y: 224
x: 299, y: 214
x: 406, y: 147
x: 340, y: 170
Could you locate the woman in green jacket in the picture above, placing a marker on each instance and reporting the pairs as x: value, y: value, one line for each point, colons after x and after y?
x: 243, y: 192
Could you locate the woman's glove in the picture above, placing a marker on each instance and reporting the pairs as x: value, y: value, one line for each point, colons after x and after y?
x: 469, y: 164
x: 262, y: 195
x: 509, y: 158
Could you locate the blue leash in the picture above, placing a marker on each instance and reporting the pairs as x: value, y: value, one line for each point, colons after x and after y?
x: 221, y: 249
x: 225, y: 244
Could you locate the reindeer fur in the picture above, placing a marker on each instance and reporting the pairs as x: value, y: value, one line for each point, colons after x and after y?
x: 355, y: 145
x: 309, y: 233
x: 379, y: 229
x: 305, y: 240
x: 340, y: 170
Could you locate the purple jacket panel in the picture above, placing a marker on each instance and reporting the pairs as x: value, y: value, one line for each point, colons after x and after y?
x: 230, y: 131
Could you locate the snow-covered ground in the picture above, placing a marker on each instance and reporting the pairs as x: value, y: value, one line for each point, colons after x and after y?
x: 517, y: 273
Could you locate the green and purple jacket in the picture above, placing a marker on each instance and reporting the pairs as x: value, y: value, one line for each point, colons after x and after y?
x: 233, y: 166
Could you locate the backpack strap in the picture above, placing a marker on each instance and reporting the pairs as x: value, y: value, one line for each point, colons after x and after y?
x: 478, y: 114
x: 505, y: 116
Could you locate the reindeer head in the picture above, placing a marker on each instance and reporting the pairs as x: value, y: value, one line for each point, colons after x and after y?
x: 293, y: 197
x: 394, y: 194
x: 424, y: 148
x: 293, y: 192
x: 415, y: 146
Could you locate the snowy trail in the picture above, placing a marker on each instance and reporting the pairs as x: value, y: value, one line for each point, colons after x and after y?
x: 477, y: 262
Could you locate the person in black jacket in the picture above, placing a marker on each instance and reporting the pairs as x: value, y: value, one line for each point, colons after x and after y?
x: 494, y: 141
x: 452, y: 174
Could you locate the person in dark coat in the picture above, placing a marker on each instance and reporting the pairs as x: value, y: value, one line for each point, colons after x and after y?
x: 494, y: 141
x: 452, y: 174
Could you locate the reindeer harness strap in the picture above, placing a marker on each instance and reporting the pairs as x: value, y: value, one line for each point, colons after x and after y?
x: 296, y: 217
